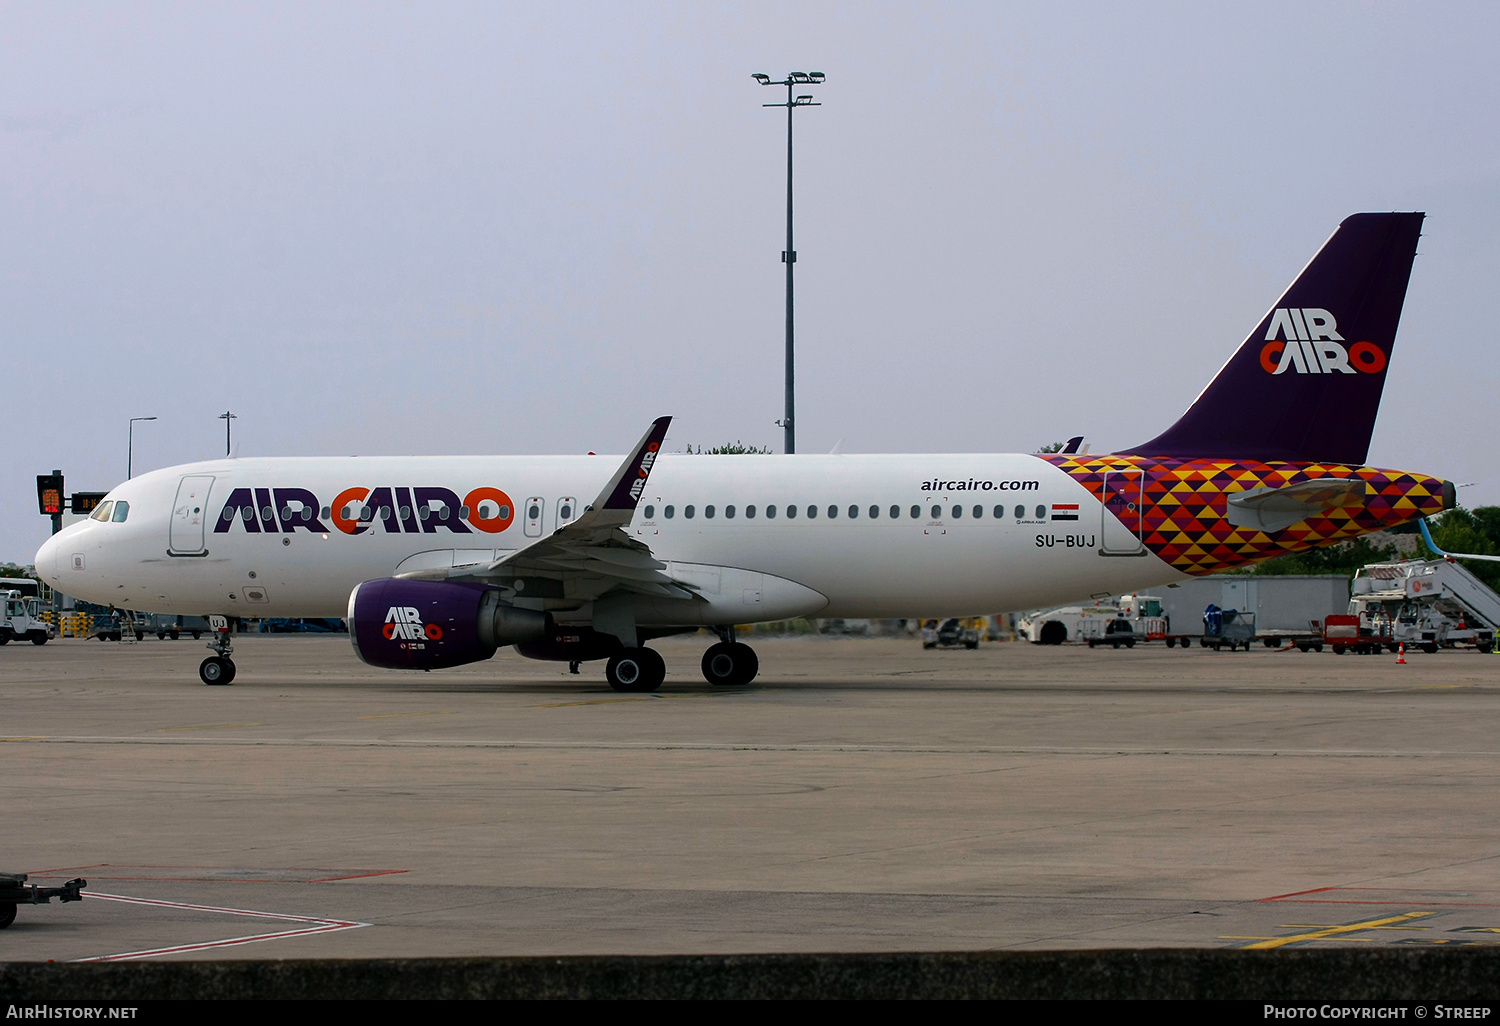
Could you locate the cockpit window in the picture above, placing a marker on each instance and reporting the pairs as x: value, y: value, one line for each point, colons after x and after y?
x: 122, y: 510
x: 102, y: 513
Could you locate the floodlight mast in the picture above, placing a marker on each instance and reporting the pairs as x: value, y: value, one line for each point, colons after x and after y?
x: 789, y: 255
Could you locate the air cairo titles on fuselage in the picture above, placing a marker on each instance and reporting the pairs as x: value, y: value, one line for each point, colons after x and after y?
x: 400, y: 510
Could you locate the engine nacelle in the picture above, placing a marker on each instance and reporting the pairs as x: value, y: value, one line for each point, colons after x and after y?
x: 431, y: 625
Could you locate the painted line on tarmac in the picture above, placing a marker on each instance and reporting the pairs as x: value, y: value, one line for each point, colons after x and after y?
x: 727, y: 746
x: 319, y: 926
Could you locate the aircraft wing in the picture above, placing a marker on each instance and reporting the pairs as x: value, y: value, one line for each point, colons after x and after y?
x: 1274, y: 509
x: 591, y: 555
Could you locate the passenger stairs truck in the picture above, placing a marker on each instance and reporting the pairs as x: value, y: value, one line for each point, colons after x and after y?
x: 1427, y: 604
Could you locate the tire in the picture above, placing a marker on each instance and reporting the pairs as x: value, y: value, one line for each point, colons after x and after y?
x: 1130, y: 643
x: 1187, y: 643
x: 1318, y: 646
x: 971, y: 645
x: 1053, y: 633
x: 1430, y: 648
x: 1338, y: 649
x: 5, y: 639
x: 140, y: 635
x: 161, y: 635
x: 929, y: 644
x: 7, y: 914
x: 38, y: 637
x: 197, y: 635
x: 216, y: 670
x: 174, y: 635
x: 635, y: 670
x: 730, y: 664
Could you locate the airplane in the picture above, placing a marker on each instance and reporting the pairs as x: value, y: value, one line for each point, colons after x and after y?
x: 437, y: 562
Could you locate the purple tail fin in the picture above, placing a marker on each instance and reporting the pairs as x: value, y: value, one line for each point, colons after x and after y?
x: 1305, y: 386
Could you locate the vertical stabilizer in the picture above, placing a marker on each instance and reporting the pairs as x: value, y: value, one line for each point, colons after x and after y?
x: 1305, y: 386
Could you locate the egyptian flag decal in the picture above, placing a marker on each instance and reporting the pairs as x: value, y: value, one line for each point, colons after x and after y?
x: 1065, y: 511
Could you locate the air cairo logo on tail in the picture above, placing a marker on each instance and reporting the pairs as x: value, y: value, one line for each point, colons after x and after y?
x: 404, y: 623
x: 1309, y: 343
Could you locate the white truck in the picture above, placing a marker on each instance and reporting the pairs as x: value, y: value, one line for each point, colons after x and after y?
x: 19, y: 621
x: 1121, y: 621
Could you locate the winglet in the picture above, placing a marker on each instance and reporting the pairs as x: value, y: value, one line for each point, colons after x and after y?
x: 1450, y: 556
x: 625, y: 488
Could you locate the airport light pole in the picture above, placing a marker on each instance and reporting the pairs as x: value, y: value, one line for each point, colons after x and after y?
x: 130, y: 444
x: 226, y: 417
x: 789, y: 255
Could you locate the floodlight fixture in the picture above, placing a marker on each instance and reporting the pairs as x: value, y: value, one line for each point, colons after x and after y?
x: 763, y: 79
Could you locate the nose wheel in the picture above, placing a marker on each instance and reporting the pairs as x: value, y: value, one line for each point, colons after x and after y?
x: 216, y: 670
x: 729, y: 663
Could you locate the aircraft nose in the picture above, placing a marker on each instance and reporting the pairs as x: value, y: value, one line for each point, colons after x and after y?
x: 47, y: 560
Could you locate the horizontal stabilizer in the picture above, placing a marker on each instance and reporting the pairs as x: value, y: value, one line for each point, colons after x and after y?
x: 1275, y: 509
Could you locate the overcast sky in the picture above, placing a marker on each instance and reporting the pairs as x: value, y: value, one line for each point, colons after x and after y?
x: 531, y: 228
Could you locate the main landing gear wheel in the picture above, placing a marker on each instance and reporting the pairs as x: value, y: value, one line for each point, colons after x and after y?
x: 216, y: 670
x: 636, y: 670
x: 7, y: 914
x: 730, y: 662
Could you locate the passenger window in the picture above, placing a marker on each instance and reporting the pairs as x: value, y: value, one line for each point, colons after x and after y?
x: 791, y: 512
x: 999, y: 512
x: 958, y: 512
x: 770, y: 512
x: 102, y: 513
x: 728, y: 512
x: 812, y: 512
x: 833, y: 512
x: 534, y: 512
x: 1020, y: 512
x: 978, y: 512
x: 895, y: 512
x: 669, y: 511
x: 874, y: 512
x: 749, y: 512
x: 708, y: 512
x: 937, y: 512
x: 464, y: 513
x: 687, y: 511
x: 650, y: 512
x: 916, y: 511
x: 328, y: 512
x: 853, y: 512
x: 1041, y: 512
x: 122, y: 510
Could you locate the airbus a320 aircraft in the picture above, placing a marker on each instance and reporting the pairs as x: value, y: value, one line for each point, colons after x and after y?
x: 437, y: 562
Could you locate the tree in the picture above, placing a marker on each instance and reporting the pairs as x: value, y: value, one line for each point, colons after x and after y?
x: 736, y: 448
x: 1052, y: 447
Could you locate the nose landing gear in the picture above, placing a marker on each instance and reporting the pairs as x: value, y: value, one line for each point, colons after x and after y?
x: 218, y: 668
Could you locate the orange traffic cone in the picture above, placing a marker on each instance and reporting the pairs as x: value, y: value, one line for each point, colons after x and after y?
x: 1401, y: 654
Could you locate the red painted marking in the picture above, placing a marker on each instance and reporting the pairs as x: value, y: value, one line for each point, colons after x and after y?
x: 358, y: 876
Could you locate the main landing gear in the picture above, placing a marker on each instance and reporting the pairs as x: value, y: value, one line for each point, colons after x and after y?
x: 635, y: 670
x: 730, y: 662
x: 727, y: 663
x: 218, y: 668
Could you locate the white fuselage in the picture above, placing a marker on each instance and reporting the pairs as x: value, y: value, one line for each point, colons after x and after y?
x: 179, y: 550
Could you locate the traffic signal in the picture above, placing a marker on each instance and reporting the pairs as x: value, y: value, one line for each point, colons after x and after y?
x: 49, y: 494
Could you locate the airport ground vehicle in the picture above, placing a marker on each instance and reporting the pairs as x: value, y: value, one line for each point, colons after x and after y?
x: 167, y: 625
x: 14, y: 890
x: 437, y: 562
x: 1227, y: 628
x: 954, y: 632
x: 21, y: 622
x: 1424, y: 605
